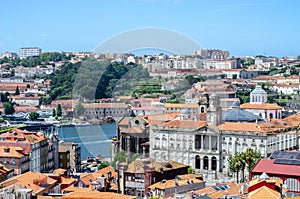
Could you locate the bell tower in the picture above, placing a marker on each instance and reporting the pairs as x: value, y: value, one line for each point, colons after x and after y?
x: 214, y: 111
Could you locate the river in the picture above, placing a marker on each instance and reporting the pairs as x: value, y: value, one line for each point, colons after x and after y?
x: 94, y: 140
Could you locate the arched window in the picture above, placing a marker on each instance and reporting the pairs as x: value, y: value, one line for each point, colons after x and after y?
x: 197, y: 162
x: 279, y: 116
x: 213, y: 163
x: 292, y: 184
x: 271, y: 115
x: 202, y: 109
x: 205, y: 163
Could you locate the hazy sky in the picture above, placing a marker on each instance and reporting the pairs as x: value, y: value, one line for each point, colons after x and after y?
x: 244, y: 27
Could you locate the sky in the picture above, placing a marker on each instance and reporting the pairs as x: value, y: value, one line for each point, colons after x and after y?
x: 243, y: 27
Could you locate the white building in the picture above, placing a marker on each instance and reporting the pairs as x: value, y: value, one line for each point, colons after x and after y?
x: 29, y: 52
x: 207, y: 145
x: 258, y: 105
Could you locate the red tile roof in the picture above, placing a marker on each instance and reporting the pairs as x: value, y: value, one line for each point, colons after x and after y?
x: 268, y: 166
x: 265, y: 106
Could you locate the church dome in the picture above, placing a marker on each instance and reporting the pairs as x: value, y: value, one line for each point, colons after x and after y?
x: 239, y: 115
x: 258, y: 90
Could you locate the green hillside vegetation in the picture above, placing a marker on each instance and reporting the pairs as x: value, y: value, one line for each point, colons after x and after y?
x: 92, y: 79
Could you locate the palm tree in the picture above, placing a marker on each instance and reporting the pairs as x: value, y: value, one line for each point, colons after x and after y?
x: 242, y: 158
x: 251, y: 157
x: 235, y: 165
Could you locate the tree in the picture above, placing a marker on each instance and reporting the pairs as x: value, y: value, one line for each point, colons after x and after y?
x: 243, y: 160
x: 103, y: 165
x: 33, y: 116
x: 53, y: 112
x: 78, y: 110
x: 119, y: 157
x: 251, y: 157
x: 8, y: 108
x: 236, y: 164
x: 58, y: 110
x: 17, y: 92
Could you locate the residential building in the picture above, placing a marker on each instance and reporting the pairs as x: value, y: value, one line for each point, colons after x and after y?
x: 15, y: 159
x: 23, y: 100
x: 75, y: 154
x: 64, y: 160
x: 102, y: 110
x: 39, y: 183
x: 193, y: 108
x: 148, y: 110
x: 212, y: 53
x: 248, y: 74
x: 102, y: 180
x: 9, y: 55
x: 220, y: 190
x: 180, y: 185
x: 96, y: 195
x: 258, y: 105
x: 29, y: 72
x: 136, y: 177
x: 221, y: 64
x: 5, y: 173
x: 34, y: 144
x: 286, y: 89
x: 29, y: 52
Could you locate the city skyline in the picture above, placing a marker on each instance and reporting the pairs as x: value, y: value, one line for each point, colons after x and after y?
x: 243, y: 28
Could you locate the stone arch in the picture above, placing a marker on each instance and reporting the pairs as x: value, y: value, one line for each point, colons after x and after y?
x: 214, y: 163
x: 202, y: 109
x: 197, y: 162
x: 205, y: 163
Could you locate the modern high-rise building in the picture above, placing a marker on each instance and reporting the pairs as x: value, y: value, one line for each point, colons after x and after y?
x: 29, y: 52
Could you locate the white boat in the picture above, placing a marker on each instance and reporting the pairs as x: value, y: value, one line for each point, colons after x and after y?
x: 82, y: 124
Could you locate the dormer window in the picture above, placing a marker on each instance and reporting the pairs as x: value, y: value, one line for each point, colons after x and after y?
x: 6, y: 150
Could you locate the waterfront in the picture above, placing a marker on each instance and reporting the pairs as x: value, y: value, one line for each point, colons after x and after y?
x: 94, y: 140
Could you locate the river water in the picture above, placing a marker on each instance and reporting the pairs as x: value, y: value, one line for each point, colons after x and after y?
x: 94, y: 140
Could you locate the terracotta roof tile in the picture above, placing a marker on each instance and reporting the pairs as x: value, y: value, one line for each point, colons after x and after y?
x: 11, y: 152
x: 124, y: 121
x: 265, y: 106
x: 169, y: 105
x: 172, y: 183
x: 216, y: 195
x: 87, y: 178
x: 104, y: 172
x: 236, y: 126
x: 264, y: 193
x: 206, y: 190
x: 134, y: 130
x: 137, y: 166
x: 36, y: 181
x: 184, y: 124
x: 96, y: 195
